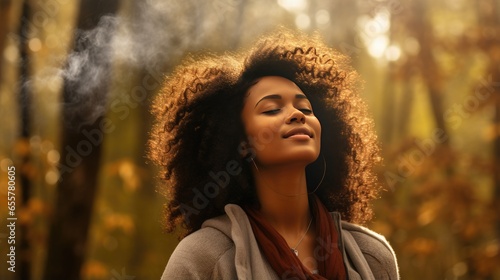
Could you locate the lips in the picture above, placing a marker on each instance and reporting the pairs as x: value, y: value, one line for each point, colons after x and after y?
x: 298, y: 131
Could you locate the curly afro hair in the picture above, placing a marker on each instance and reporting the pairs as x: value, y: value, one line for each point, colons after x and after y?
x: 198, y: 134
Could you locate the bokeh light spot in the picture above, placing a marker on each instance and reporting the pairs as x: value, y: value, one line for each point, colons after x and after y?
x: 35, y: 45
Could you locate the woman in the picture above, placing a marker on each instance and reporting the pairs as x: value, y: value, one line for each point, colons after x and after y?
x: 267, y: 159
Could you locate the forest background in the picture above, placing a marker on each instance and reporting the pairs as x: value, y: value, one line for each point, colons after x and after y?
x: 77, y: 79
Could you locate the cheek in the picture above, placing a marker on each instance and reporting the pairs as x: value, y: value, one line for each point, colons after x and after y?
x: 262, y: 133
x: 316, y: 125
x: 317, y: 129
x: 319, y: 133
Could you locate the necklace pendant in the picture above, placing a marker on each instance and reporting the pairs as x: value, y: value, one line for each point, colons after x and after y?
x: 295, y: 252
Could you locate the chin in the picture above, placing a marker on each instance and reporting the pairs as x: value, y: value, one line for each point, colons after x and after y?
x: 305, y: 157
x: 296, y: 155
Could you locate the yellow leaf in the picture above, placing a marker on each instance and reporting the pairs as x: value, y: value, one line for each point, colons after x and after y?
x: 93, y: 269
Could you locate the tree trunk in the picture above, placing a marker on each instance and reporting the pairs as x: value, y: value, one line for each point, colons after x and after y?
x: 81, y: 148
x: 405, y: 109
x: 388, y: 113
x: 4, y: 27
x: 489, y: 42
x: 428, y: 66
x: 24, y: 108
x: 496, y: 149
x: 492, y: 22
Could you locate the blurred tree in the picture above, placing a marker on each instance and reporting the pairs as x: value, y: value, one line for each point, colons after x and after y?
x: 396, y: 115
x: 342, y: 31
x: 440, y: 220
x: 4, y: 20
x: 429, y: 68
x: 78, y: 182
x: 489, y: 42
x: 24, y: 101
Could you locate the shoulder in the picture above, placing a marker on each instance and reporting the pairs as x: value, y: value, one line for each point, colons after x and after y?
x: 377, y: 251
x: 199, y: 255
x: 368, y: 239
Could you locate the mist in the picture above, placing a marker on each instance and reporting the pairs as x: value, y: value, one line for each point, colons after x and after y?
x: 149, y: 39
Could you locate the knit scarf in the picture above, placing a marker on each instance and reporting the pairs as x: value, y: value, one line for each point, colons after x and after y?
x: 281, y: 258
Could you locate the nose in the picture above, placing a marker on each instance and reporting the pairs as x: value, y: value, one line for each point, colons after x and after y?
x: 296, y: 116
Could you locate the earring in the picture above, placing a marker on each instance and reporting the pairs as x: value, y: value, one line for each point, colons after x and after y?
x: 322, y: 177
x: 315, y: 189
x: 246, y: 151
x: 255, y: 165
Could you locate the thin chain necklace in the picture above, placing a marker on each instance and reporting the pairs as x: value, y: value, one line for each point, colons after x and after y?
x: 294, y: 249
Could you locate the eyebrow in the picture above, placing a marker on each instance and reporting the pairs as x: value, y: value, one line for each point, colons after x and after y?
x: 277, y: 96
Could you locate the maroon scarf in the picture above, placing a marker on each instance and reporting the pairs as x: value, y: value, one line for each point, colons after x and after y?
x: 281, y: 258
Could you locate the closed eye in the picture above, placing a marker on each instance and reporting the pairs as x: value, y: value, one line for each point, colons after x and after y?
x: 271, y: 112
x: 306, y: 111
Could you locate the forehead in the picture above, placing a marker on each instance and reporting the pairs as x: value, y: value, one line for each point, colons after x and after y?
x: 272, y: 85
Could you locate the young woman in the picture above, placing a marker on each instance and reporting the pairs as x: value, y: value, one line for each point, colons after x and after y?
x: 267, y: 161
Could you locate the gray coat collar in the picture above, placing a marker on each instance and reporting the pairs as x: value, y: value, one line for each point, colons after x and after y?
x: 251, y: 264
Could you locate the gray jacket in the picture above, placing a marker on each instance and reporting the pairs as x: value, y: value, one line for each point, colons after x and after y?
x: 225, y: 248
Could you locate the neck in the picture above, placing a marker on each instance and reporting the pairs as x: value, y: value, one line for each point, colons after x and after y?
x: 283, y: 197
